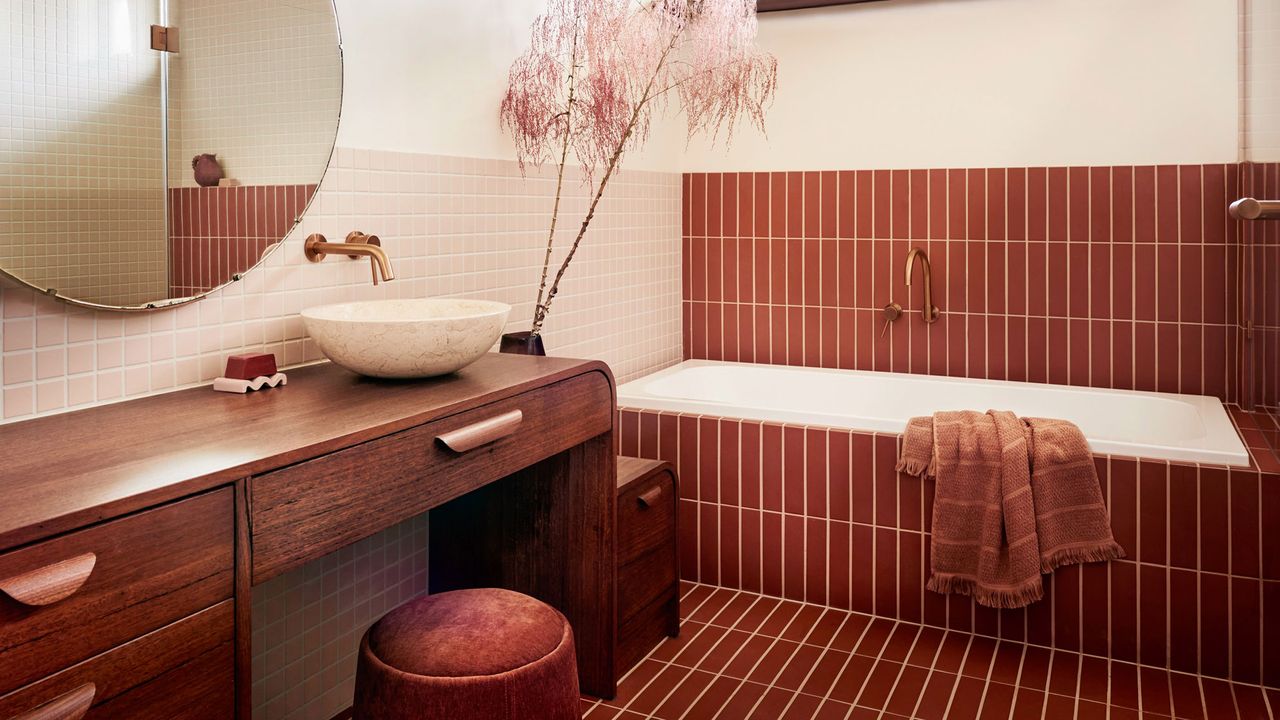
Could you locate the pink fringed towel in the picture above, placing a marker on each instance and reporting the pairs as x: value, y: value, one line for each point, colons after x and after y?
x: 1013, y: 499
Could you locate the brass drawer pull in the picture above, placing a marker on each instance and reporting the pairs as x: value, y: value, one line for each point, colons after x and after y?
x: 51, y: 583
x: 650, y: 497
x: 68, y: 706
x: 481, y: 433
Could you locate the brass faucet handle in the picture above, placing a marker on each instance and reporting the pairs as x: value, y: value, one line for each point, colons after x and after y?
x: 356, y: 237
x: 892, y: 312
x: 930, y: 314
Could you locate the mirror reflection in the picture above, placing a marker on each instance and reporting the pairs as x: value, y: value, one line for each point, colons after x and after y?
x: 153, y: 150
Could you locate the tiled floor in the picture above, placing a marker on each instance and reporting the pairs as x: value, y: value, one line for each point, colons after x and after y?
x: 741, y: 655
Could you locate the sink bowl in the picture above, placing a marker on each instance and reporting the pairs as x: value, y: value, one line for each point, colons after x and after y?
x: 406, y: 338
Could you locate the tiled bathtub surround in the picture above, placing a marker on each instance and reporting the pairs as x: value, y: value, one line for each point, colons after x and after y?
x: 1121, y: 277
x: 457, y: 227
x: 216, y: 232
x: 820, y: 515
x: 1260, y: 242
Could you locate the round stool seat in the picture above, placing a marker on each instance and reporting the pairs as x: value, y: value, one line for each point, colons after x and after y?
x: 487, y: 653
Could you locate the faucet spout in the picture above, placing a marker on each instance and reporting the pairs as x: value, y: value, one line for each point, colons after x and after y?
x: 929, y: 313
x: 357, y: 245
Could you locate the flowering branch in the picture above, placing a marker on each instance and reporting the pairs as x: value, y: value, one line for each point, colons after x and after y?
x: 622, y: 60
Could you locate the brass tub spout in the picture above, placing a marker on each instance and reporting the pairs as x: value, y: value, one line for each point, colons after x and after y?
x: 930, y: 312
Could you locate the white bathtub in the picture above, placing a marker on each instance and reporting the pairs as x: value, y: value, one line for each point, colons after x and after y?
x: 1164, y: 426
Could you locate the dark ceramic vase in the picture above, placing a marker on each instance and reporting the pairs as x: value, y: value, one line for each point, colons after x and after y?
x: 207, y: 170
x: 522, y: 343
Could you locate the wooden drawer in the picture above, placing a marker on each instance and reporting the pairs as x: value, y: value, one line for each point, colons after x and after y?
x: 144, y: 571
x: 311, y: 509
x: 182, y: 671
x: 646, y: 514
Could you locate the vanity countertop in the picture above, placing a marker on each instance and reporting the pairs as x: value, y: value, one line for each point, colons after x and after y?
x: 65, y: 471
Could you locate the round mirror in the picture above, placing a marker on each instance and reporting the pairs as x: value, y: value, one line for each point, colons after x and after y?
x: 154, y: 150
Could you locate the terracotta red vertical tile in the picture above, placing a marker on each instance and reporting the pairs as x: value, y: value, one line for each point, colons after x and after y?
x: 1191, y: 283
x: 1037, y: 278
x: 997, y: 280
x: 1123, y: 505
x: 708, y: 451
x: 886, y: 480
x: 1016, y: 204
x: 793, y: 469
x: 863, y: 572
x: 1037, y: 349
x: 1094, y: 615
x: 1121, y: 275
x: 976, y: 204
x: 828, y: 275
x: 698, y: 204
x: 1183, y: 515
x: 814, y: 471
x: 1100, y: 354
x: 763, y: 330
x: 744, y: 223
x: 1183, y: 614
x: 882, y: 207
x: 938, y: 214
x: 1153, y: 615
x: 1190, y: 206
x: 689, y: 540
x: 779, y: 193
x: 1016, y: 349
x: 750, y: 546
x: 729, y: 198
x: 1246, y: 627
x: 1215, y: 631
x: 976, y: 344
x: 1144, y: 204
x: 813, y: 562
x: 957, y: 204
x: 976, y: 278
x: 837, y: 565
x: 1059, y: 284
x: 865, y: 202
x: 886, y: 573
x: 771, y: 553
x: 846, y: 204
x: 1270, y: 634
x: 899, y: 204
x: 795, y: 276
x: 771, y: 463
x: 864, y: 469
x: 839, y: 480
x: 731, y: 250
x: 1100, y: 204
x: 847, y: 328
x: 1167, y: 204
x: 1153, y: 480
x: 1037, y: 204
x: 629, y: 432
x: 996, y: 204
x: 812, y: 356
x: 762, y: 204
x: 1059, y: 351
x: 1245, y: 538
x: 714, y: 331
x: 1214, y: 203
x: 728, y: 548
x: 1100, y: 285
x: 715, y: 269
x: 811, y: 201
x: 1124, y: 610
x: 1215, y: 275
x: 829, y: 340
x: 1057, y: 203
x: 1078, y: 220
x: 1270, y: 514
x: 1168, y: 358
x: 956, y: 295
x: 1144, y: 282
x: 865, y: 344
x: 911, y: 576
x: 781, y: 335
x: 1079, y: 335
x: 1144, y: 356
x: 996, y: 352
x: 919, y: 204
x: 864, y: 274
x: 1214, y: 518
x: 715, y: 202
x: 1065, y: 586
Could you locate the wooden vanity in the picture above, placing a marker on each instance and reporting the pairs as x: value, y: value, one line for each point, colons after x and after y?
x: 131, y: 535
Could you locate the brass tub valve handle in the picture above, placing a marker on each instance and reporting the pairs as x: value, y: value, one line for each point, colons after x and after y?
x: 892, y: 312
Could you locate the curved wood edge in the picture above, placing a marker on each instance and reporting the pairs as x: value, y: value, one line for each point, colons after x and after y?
x: 52, y: 583
x: 72, y: 705
x: 482, y: 433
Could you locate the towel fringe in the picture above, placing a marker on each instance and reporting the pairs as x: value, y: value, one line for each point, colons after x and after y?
x: 1078, y: 555
x: 1013, y: 598
x: 915, y: 467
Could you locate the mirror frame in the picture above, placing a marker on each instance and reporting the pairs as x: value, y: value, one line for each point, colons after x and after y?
x: 167, y: 303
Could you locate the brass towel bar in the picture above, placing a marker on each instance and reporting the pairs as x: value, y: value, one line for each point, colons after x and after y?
x: 1250, y: 209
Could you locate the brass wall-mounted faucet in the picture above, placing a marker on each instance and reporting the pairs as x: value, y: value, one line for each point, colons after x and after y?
x: 357, y: 244
x: 929, y: 313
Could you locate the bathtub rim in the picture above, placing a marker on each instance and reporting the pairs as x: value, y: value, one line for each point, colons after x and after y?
x: 632, y: 396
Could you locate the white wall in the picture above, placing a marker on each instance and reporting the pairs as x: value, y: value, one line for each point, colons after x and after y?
x: 1260, y: 41
x: 428, y: 76
x: 938, y: 83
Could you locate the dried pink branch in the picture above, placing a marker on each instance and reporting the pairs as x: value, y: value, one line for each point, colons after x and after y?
x: 597, y: 70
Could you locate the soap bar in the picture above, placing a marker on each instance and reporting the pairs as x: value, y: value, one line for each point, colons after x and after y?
x: 248, y: 367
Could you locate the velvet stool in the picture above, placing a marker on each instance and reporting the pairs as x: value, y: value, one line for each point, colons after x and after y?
x: 486, y: 654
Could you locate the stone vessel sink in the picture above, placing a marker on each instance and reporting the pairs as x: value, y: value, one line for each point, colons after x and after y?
x: 406, y: 338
